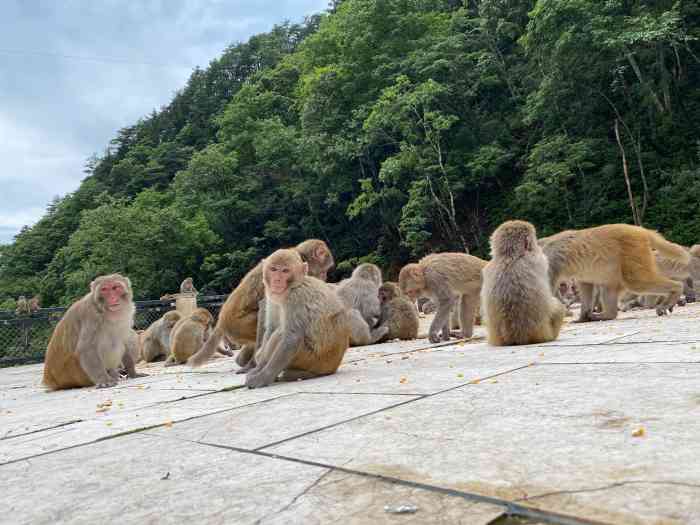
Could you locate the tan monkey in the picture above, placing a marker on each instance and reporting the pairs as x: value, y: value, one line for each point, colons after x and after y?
x: 189, y: 334
x: 676, y: 270
x: 35, y: 304
x: 397, y: 313
x: 22, y: 307
x: 516, y: 299
x: 187, y: 287
x: 361, y: 294
x: 307, y: 330
x: 238, y: 319
x: 156, y: 339
x: 448, y: 279
x: 615, y: 256
x: 89, y: 343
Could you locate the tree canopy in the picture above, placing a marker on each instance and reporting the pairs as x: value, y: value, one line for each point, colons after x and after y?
x: 390, y: 129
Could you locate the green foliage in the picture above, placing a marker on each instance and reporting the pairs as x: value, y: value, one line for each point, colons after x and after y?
x: 390, y: 129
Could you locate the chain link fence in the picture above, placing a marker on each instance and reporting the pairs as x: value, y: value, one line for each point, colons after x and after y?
x: 24, y: 338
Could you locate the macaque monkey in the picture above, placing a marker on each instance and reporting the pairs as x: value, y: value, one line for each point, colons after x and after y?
x: 516, y: 298
x: 156, y: 338
x: 307, y: 330
x: 238, y: 319
x: 188, y: 335
x: 89, y: 343
x: 35, y: 303
x: 22, y: 307
x: 361, y: 294
x: 448, y: 279
x: 133, y: 346
x: 675, y: 270
x: 187, y: 287
x: 615, y: 256
x: 397, y: 313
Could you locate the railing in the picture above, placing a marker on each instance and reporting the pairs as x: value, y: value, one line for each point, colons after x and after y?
x: 23, y: 338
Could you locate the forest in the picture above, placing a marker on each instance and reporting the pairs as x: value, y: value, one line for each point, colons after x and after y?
x: 390, y: 129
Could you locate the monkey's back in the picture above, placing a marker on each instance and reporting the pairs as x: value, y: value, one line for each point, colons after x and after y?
x: 315, y: 305
x: 462, y: 271
x: 239, y: 314
x: 61, y: 364
x: 402, y: 319
x: 185, y: 339
x: 518, y: 304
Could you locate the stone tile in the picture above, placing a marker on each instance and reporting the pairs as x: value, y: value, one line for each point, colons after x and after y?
x: 121, y: 417
x: 144, y: 479
x: 255, y: 426
x: 567, y: 430
x: 357, y: 500
x: 122, y: 480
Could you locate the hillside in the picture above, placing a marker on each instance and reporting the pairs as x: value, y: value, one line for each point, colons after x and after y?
x: 390, y: 129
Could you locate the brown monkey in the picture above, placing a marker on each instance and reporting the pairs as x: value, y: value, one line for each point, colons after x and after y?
x: 35, y: 303
x: 616, y: 256
x: 361, y: 294
x: 156, y: 339
x: 447, y: 278
x: 22, y: 307
x: 307, y: 330
x: 397, y: 313
x: 89, y: 343
x: 188, y: 335
x: 133, y: 346
x: 187, y: 287
x: 238, y: 319
x: 516, y: 299
x: 675, y: 270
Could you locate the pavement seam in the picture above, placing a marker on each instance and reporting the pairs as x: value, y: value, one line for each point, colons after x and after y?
x: 390, y: 407
x: 511, y: 507
x: 610, y: 486
x: 140, y: 429
x: 41, y: 429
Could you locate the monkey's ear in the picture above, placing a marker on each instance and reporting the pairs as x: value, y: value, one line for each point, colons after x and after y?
x: 305, y: 268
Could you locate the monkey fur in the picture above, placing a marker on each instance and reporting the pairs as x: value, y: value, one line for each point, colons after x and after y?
x: 447, y: 279
x: 89, y: 343
x: 307, y: 330
x: 617, y: 257
x: 516, y: 298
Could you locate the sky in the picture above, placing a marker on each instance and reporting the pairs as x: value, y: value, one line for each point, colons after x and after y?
x: 73, y: 72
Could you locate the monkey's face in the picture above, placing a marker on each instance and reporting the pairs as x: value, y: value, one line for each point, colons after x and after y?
x: 112, y: 295
x: 322, y: 262
x: 279, y: 277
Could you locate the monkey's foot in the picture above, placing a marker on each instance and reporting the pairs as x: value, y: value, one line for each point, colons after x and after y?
x: 258, y: 380
x: 138, y: 374
x: 225, y: 351
x: 434, y: 338
x: 106, y: 384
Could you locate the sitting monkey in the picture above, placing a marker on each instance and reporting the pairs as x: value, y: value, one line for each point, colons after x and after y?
x: 516, y: 298
x: 90, y: 342
x: 307, y: 328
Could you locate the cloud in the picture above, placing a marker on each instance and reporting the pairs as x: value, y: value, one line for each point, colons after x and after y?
x: 72, y: 73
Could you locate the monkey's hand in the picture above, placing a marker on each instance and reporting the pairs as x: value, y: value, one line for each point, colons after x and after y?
x: 259, y: 379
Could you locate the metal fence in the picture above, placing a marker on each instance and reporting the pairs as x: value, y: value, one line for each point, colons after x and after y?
x: 23, y: 339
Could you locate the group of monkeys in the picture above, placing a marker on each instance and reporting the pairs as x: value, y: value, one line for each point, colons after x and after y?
x: 291, y: 324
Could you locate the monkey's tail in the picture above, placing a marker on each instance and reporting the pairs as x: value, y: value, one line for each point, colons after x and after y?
x: 207, y: 350
x: 667, y: 248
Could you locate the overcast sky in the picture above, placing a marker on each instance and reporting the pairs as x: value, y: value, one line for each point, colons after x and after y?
x: 74, y: 72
